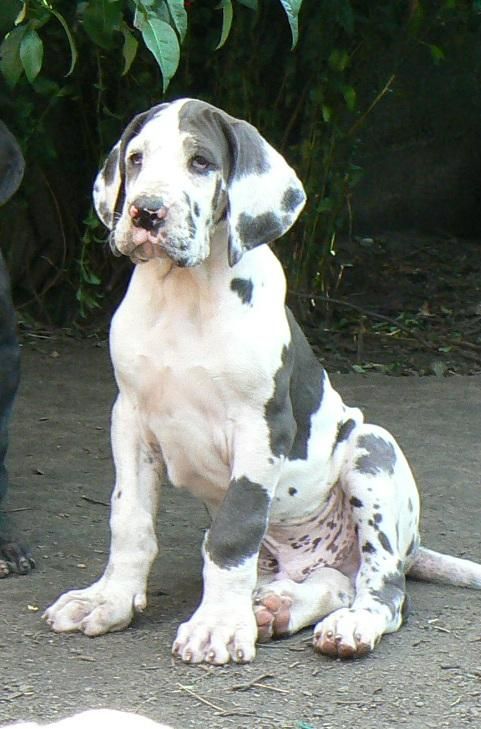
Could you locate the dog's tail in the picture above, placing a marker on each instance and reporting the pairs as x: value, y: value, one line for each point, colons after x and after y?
x: 437, y: 567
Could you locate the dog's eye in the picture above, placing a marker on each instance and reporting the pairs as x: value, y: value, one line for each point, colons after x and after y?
x: 135, y: 159
x: 200, y: 164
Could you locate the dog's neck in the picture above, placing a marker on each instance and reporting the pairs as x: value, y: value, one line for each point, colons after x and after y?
x: 212, y: 284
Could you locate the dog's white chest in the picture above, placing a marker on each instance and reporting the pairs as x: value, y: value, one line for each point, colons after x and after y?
x: 188, y: 376
x: 180, y: 404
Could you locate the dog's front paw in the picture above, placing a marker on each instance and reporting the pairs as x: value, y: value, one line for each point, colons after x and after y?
x: 94, y: 611
x: 217, y: 635
x: 348, y: 633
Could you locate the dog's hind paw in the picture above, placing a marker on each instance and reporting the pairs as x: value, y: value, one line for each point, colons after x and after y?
x: 272, y: 612
x: 348, y: 633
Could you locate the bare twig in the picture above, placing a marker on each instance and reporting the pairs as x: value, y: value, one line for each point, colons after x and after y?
x: 94, y: 501
x: 201, y: 698
x: 221, y: 709
x: 256, y: 682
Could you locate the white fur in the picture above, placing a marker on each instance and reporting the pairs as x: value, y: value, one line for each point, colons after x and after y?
x: 96, y: 719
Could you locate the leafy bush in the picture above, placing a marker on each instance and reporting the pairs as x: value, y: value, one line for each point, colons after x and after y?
x: 74, y: 73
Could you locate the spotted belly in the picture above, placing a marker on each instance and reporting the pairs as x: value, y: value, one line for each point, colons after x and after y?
x: 326, y: 538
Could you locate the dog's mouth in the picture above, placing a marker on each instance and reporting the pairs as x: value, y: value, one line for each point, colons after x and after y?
x: 142, y: 245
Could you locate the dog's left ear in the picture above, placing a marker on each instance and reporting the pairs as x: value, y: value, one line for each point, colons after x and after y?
x: 265, y: 196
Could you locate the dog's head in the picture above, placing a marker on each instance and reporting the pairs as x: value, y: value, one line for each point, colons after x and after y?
x: 182, y: 169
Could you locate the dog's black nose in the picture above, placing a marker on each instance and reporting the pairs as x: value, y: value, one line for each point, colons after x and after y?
x: 148, y: 213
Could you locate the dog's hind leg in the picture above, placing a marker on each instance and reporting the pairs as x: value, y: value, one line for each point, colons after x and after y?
x: 384, y: 505
x: 282, y: 607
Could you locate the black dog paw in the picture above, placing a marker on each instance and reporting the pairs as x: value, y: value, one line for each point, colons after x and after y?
x: 15, y: 558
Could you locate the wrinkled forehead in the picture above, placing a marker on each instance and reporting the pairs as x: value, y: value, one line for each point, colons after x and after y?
x: 184, y: 129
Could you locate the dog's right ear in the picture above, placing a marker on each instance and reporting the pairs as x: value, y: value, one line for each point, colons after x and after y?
x: 109, y: 186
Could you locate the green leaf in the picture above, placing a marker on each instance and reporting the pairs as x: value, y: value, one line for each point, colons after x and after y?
x: 292, y: 8
x: 437, y: 53
x: 161, y: 40
x: 129, y: 49
x: 326, y: 113
x: 31, y: 54
x: 227, y: 15
x: 10, y: 61
x: 338, y: 59
x: 179, y: 16
x: 350, y: 97
x: 71, y: 42
x: 101, y: 19
x: 157, y: 8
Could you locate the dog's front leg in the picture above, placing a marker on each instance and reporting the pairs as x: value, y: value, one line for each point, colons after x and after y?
x: 223, y: 628
x: 109, y: 604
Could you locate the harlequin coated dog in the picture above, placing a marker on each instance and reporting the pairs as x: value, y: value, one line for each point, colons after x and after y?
x: 314, y: 512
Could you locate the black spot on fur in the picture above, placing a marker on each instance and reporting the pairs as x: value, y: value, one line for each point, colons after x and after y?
x: 354, y: 501
x: 306, y: 387
x: 278, y: 409
x: 385, y: 543
x: 292, y: 491
x: 217, y: 194
x: 380, y: 455
x: 368, y: 548
x: 292, y: 198
x: 239, y: 525
x: 393, y: 594
x: 344, y: 430
x: 298, y: 391
x: 255, y: 230
x: 244, y: 288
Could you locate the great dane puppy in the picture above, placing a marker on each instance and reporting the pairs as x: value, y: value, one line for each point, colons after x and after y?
x: 314, y: 512
x: 13, y: 556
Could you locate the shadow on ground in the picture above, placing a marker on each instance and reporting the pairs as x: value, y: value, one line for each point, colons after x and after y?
x: 427, y: 675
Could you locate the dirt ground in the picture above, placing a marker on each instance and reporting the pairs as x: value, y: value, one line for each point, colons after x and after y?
x: 427, y: 675
x: 400, y: 304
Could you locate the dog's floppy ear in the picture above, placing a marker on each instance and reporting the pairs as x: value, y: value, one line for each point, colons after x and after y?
x: 265, y: 196
x: 109, y: 186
